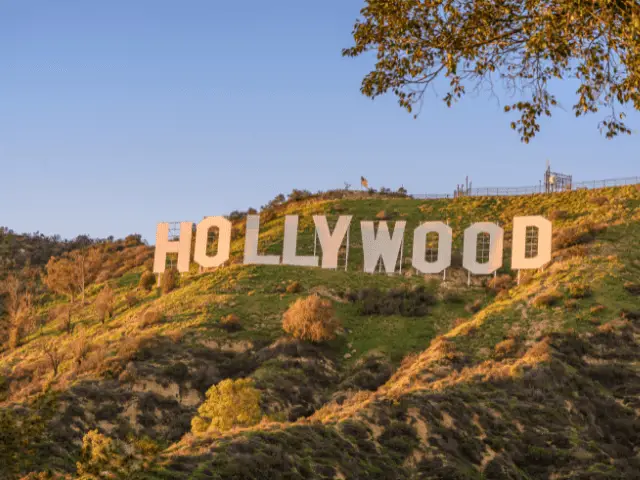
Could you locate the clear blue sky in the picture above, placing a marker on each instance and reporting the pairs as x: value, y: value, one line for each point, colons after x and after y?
x: 116, y: 115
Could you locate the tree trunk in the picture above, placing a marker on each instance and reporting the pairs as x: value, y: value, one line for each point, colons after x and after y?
x: 82, y: 276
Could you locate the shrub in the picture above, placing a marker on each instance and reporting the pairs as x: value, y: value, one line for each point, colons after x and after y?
x: 547, y: 299
x: 66, y: 315
x: 294, y: 287
x: 630, y: 314
x: 474, y: 307
x: 579, y: 290
x: 132, y: 299
x: 80, y: 347
x: 177, y: 371
x: 230, y: 322
x: 396, y: 301
x: 558, y: 215
x: 505, y: 348
x: 632, y: 288
x: 500, y: 283
x: 148, y: 281
x: 151, y: 317
x: 311, y: 319
x: 298, y: 195
x: 452, y: 296
x: 105, y: 303
x: 102, y: 457
x: 169, y: 280
x: 53, y: 355
x: 578, y: 235
x: 230, y: 403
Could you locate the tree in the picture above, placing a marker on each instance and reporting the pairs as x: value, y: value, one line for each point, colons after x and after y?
x: 53, y: 355
x: 311, y: 319
x: 60, y: 278
x: 103, y: 457
x: 86, y: 265
x: 67, y: 318
x: 18, y: 308
x: 229, y: 404
x: 105, y: 302
x: 523, y: 45
x: 71, y: 273
x: 100, y: 455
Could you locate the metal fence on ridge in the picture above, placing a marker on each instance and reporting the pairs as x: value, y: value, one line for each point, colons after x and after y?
x: 534, y: 190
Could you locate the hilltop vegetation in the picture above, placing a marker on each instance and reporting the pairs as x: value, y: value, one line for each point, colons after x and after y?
x: 379, y: 376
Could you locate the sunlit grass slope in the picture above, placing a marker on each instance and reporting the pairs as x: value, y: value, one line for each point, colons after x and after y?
x: 496, y: 380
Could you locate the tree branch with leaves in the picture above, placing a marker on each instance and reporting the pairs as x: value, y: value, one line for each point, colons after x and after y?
x: 525, y: 45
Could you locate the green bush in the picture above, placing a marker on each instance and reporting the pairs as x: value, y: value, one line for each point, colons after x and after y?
x: 396, y: 301
x: 452, y: 296
x: 230, y: 403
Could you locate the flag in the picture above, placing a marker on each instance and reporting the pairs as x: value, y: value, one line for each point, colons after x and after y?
x: 364, y: 182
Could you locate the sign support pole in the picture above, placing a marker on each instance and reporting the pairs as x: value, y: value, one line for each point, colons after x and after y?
x: 346, y: 258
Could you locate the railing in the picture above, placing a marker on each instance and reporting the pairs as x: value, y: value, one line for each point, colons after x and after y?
x: 533, y: 190
x: 431, y: 196
x: 612, y: 182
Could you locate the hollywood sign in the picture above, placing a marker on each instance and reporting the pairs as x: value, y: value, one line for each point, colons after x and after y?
x: 380, y: 247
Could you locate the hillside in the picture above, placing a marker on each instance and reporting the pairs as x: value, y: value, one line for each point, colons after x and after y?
x: 494, y: 381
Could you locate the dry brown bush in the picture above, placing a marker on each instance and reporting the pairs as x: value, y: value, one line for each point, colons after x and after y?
x: 576, y: 235
x: 105, y: 303
x: 558, y: 215
x: 547, y: 299
x: 175, y: 335
x: 169, y: 280
x: 66, y: 318
x: 148, y: 281
x: 150, y: 317
x: 53, y: 355
x: 444, y: 349
x: 294, y: 287
x: 103, y: 276
x: 80, y: 348
x: 506, y: 348
x: 579, y: 290
x: 312, y: 319
x: 131, y: 299
x: 500, y: 282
